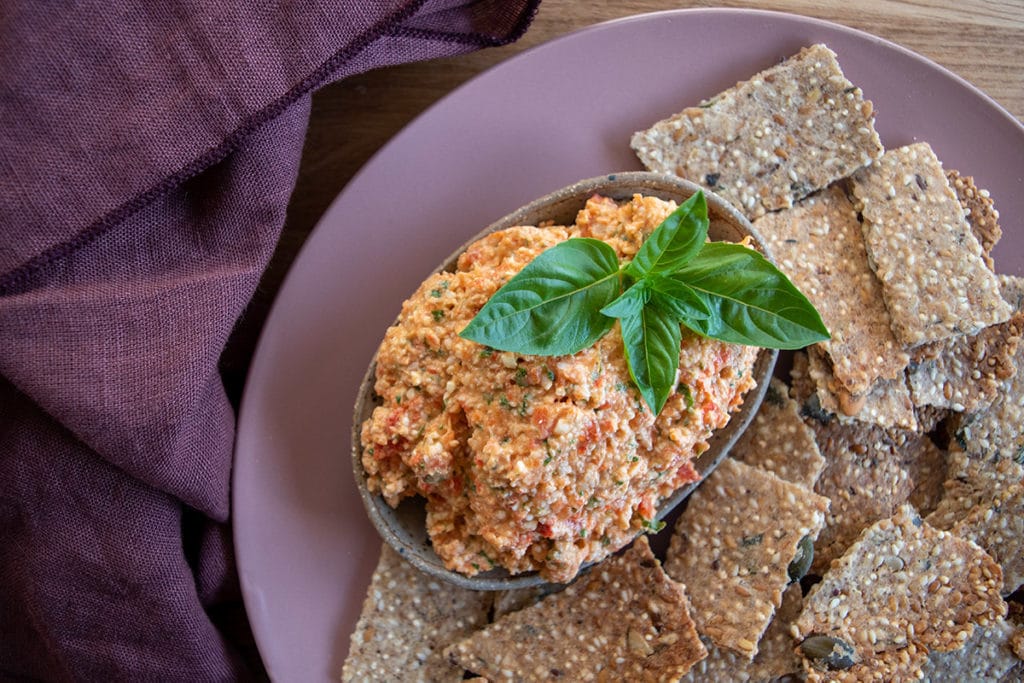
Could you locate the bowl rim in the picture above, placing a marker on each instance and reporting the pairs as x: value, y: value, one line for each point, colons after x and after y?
x: 413, y: 544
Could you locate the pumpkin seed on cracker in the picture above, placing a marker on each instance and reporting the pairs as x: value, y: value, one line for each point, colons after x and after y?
x: 408, y: 619
x: 904, y: 584
x: 778, y: 441
x: 732, y: 548
x: 771, y: 140
x: 819, y: 244
x: 935, y: 281
x: 624, y: 620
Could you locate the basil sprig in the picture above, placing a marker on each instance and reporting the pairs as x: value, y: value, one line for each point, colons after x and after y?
x: 570, y: 295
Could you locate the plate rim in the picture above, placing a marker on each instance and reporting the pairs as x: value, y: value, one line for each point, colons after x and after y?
x: 241, y: 464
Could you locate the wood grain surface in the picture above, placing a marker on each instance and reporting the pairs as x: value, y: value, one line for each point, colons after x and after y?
x: 980, y: 40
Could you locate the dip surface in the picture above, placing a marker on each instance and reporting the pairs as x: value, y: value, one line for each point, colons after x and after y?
x: 530, y: 462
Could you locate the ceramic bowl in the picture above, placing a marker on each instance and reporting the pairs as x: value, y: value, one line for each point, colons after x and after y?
x: 404, y: 528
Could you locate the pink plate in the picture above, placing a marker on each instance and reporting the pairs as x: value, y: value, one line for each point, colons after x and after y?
x: 542, y: 120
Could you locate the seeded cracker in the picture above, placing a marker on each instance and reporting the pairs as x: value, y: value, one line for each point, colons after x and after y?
x: 887, y: 404
x: 771, y: 140
x: 935, y: 282
x: 819, y: 244
x: 972, y: 482
x: 998, y: 527
x: 775, y: 657
x: 778, y: 440
x: 998, y: 431
x: 408, y: 618
x: 904, y: 585
x: 733, y: 545
x: 625, y: 620
x: 965, y: 373
x: 985, y: 658
x: 981, y: 213
x: 864, y: 480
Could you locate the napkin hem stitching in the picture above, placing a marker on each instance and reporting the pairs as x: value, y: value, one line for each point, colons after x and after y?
x: 20, y: 275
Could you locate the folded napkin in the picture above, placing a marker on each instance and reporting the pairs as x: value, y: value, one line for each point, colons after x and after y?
x: 147, y: 154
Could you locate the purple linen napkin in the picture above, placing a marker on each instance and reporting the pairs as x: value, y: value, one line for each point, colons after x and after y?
x: 147, y: 155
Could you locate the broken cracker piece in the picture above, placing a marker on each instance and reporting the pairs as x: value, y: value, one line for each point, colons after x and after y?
x: 887, y: 403
x: 985, y: 658
x: 998, y: 431
x: 733, y: 545
x: 934, y: 280
x: 972, y: 481
x: 904, y: 583
x: 965, y: 373
x: 980, y: 212
x: 778, y: 441
x: 408, y: 619
x: 625, y: 619
x: 891, y: 666
x: 768, y: 141
x: 863, y: 479
x: 775, y: 657
x: 819, y: 244
x: 997, y: 526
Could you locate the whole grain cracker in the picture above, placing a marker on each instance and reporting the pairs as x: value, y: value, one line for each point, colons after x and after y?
x: 625, y: 619
x: 998, y: 431
x: 864, y: 480
x: 819, y: 244
x: 887, y: 403
x: 891, y: 666
x: 980, y: 212
x: 904, y: 583
x: 733, y: 545
x: 408, y: 619
x: 972, y: 481
x: 986, y: 657
x: 775, y: 657
x: 934, y: 280
x: 965, y: 373
x: 778, y: 441
x: 773, y: 139
x: 998, y: 527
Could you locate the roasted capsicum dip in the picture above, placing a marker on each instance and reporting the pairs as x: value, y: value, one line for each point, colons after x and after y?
x: 530, y: 462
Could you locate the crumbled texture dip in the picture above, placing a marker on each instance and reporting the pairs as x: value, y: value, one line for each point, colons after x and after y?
x: 528, y: 462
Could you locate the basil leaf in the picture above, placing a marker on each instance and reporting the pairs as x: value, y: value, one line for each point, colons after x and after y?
x: 677, y: 299
x: 752, y: 302
x: 652, y: 340
x: 630, y: 302
x: 552, y: 306
x: 677, y: 240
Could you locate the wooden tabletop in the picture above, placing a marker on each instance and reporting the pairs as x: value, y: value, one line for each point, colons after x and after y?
x: 980, y: 40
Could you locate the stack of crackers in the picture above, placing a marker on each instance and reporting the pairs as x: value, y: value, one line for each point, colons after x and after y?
x: 869, y: 523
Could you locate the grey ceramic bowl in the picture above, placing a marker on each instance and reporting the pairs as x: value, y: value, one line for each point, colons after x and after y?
x: 404, y: 528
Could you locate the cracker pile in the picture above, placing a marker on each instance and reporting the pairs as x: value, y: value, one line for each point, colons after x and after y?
x: 869, y: 524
